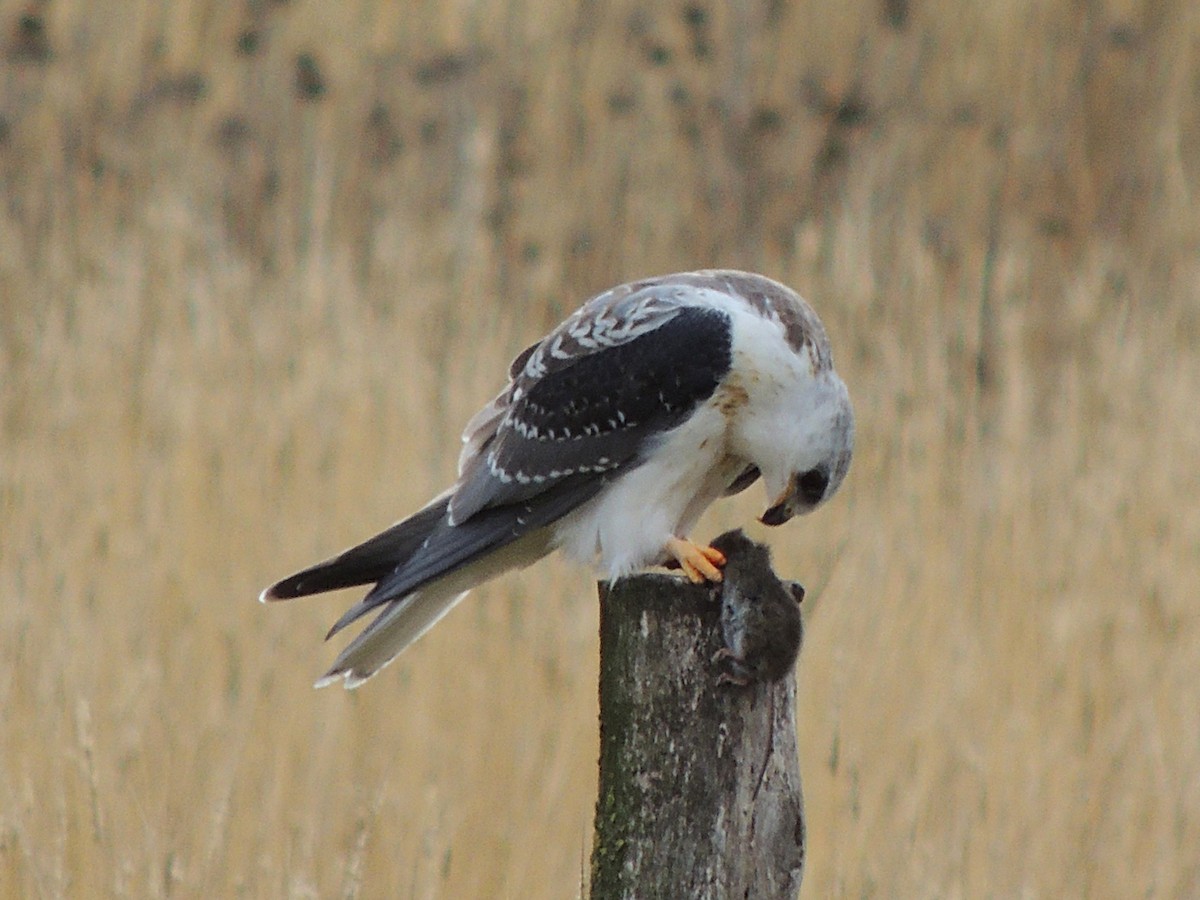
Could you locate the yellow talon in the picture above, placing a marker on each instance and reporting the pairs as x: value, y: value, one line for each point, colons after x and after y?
x: 699, y: 563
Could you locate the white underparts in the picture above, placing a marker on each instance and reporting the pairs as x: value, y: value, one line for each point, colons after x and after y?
x: 627, y: 526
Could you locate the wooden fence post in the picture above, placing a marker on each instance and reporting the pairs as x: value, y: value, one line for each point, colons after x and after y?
x: 699, y: 782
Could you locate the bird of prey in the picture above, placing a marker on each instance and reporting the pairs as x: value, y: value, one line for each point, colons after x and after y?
x: 614, y: 433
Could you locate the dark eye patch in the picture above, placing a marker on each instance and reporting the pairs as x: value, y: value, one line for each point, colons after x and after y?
x: 812, y: 485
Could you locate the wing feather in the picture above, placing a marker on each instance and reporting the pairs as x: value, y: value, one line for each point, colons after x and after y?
x: 364, y: 563
x: 594, y: 412
x: 448, y: 547
x: 567, y: 425
x: 616, y: 316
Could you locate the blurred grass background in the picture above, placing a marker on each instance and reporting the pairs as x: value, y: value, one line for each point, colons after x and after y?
x: 259, y: 261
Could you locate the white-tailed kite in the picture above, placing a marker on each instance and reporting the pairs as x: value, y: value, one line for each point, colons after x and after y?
x: 614, y: 433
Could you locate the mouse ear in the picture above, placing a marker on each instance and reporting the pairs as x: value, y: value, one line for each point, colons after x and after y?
x: 796, y: 589
x: 730, y: 541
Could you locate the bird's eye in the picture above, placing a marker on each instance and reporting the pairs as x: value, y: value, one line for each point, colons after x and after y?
x: 812, y: 485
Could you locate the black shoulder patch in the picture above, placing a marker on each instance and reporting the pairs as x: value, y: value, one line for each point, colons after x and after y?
x: 656, y: 378
x: 593, y: 416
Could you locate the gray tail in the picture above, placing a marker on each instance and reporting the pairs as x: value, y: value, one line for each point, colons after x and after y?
x: 366, y: 563
x: 421, y: 566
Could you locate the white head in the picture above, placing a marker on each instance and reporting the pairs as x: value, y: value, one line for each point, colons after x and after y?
x: 803, y: 447
x: 796, y: 425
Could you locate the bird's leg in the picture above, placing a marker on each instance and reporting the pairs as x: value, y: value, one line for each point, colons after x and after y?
x: 699, y: 563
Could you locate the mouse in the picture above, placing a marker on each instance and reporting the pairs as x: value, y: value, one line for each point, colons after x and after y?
x: 760, y: 614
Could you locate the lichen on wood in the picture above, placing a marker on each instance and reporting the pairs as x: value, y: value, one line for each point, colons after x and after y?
x: 699, y: 790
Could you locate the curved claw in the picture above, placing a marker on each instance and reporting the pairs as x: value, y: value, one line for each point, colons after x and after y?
x: 699, y: 563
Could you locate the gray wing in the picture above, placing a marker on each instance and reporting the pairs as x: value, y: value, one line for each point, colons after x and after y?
x: 446, y: 547
x: 365, y: 563
x: 571, y: 429
x: 586, y: 402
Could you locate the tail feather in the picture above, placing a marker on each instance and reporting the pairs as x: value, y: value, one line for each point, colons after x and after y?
x: 390, y: 632
x: 447, y: 547
x: 365, y: 563
x: 423, y: 565
x: 406, y: 618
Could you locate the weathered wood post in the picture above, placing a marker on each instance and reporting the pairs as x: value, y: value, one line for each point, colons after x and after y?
x: 699, y: 782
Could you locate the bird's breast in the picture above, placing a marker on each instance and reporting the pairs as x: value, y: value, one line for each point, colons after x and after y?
x: 626, y: 526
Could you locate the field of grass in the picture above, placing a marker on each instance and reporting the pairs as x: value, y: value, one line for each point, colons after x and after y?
x: 260, y: 261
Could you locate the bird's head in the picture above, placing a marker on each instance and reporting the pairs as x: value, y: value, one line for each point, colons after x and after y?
x: 805, y: 459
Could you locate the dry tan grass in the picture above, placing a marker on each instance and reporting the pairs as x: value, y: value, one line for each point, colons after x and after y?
x: 240, y: 329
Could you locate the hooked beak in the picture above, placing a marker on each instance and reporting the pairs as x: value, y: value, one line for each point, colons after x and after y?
x: 782, y: 509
